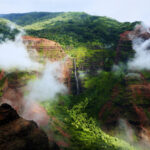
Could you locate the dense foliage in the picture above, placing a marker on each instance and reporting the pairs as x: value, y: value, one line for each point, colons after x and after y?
x: 72, y: 28
x: 85, y: 133
x: 80, y: 28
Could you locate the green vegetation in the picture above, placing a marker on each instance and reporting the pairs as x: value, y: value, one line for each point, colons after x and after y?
x: 72, y: 28
x: 91, y: 42
x: 75, y: 29
x: 92, y: 60
x: 85, y: 133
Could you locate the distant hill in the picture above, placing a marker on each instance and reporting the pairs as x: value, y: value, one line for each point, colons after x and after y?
x: 29, y: 18
x: 72, y: 28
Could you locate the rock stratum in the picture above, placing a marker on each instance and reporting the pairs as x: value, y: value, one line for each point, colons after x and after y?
x: 52, y: 51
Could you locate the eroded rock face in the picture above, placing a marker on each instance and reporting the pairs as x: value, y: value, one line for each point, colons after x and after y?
x: 52, y: 51
x: 17, y: 133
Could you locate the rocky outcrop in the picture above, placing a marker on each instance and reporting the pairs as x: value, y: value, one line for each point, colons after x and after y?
x: 52, y: 51
x: 17, y: 133
x: 48, y: 48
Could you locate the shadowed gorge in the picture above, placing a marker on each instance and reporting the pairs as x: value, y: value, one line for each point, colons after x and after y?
x: 17, y: 133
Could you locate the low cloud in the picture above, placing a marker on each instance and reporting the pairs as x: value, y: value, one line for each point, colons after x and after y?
x: 14, y: 56
x: 142, y: 55
x: 48, y: 85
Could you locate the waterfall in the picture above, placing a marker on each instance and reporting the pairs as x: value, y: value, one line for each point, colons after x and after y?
x: 76, y: 76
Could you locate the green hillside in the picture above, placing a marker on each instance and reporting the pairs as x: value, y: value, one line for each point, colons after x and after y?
x: 72, y: 28
x: 75, y: 28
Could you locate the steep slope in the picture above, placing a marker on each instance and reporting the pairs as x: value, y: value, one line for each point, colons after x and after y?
x: 130, y: 99
x: 51, y: 50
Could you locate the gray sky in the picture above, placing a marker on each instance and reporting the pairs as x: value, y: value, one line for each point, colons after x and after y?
x: 122, y: 10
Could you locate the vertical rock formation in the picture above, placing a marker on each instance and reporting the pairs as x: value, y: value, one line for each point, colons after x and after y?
x: 124, y: 48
